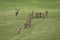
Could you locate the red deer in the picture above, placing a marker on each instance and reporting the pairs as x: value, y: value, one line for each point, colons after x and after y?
x: 37, y: 15
x: 19, y: 29
x: 26, y: 24
x: 17, y: 12
x: 29, y: 19
x: 29, y: 23
x: 46, y: 13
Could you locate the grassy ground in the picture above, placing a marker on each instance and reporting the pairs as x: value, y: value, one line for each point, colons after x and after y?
x: 41, y: 29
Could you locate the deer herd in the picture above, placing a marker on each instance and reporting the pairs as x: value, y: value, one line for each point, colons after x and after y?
x: 32, y: 15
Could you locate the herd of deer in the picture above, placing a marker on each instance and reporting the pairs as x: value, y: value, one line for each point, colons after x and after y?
x: 29, y: 18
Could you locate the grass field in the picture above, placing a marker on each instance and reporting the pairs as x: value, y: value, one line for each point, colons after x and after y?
x: 41, y: 29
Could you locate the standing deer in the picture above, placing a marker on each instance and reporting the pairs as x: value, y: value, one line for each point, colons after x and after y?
x: 17, y: 12
x: 46, y: 13
x: 26, y: 25
x: 29, y: 19
x: 19, y: 29
x: 37, y: 15
x: 40, y: 14
x: 28, y: 22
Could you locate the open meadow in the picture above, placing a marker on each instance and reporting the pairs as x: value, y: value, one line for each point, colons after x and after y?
x: 41, y: 29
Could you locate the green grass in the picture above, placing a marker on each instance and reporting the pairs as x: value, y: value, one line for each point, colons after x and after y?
x: 41, y: 29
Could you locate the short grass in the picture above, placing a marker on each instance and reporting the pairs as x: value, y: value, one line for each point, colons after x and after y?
x: 41, y: 29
